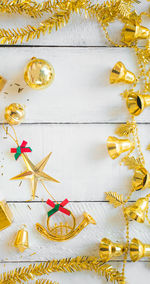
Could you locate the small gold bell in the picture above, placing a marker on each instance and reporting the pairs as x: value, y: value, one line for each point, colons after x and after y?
x: 137, y: 210
x: 136, y: 102
x: 119, y: 73
x: 141, y: 179
x: 131, y: 33
x: 21, y: 241
x: 2, y: 83
x: 138, y: 250
x: 117, y: 146
x: 108, y: 249
x: 38, y: 73
x: 14, y: 114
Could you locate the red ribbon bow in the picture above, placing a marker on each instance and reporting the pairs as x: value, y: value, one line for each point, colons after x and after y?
x: 58, y: 207
x: 21, y: 149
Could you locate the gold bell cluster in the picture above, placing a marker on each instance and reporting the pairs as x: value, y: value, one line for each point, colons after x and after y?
x: 109, y: 250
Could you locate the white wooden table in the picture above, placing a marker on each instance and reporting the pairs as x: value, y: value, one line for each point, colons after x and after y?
x: 72, y: 118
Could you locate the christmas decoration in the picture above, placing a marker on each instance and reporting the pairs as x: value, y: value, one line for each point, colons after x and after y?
x: 35, y: 172
x: 21, y: 241
x: 138, y: 250
x: 2, y: 83
x: 79, y: 263
x: 14, y: 114
x: 21, y: 149
x: 119, y: 74
x: 60, y: 13
x: 117, y: 146
x: 137, y: 102
x: 6, y: 216
x: 58, y: 207
x: 131, y: 33
x: 39, y: 73
x: 108, y: 249
x: 63, y: 232
x: 137, y: 210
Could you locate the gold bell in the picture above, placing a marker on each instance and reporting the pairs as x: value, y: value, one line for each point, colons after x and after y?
x: 21, y: 241
x: 119, y: 74
x: 117, y: 146
x: 138, y: 250
x: 136, y: 102
x: 141, y: 179
x: 130, y: 33
x: 38, y: 73
x: 14, y: 114
x: 108, y: 249
x: 137, y: 211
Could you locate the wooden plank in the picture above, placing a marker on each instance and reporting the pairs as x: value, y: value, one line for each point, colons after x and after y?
x: 81, y: 91
x: 110, y: 224
x: 79, y: 160
x: 135, y: 272
x: 78, y: 32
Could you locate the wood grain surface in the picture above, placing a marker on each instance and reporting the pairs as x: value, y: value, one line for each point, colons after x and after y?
x: 72, y: 119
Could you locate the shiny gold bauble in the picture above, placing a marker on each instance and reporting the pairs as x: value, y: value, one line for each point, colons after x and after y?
x: 39, y: 74
x: 14, y: 114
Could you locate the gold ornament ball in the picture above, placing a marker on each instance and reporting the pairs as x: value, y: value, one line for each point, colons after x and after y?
x: 14, y: 114
x: 39, y: 74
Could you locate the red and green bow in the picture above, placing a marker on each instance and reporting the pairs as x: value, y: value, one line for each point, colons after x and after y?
x: 21, y: 149
x: 58, y: 207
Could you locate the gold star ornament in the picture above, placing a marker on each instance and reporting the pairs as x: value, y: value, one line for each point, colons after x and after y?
x: 35, y: 172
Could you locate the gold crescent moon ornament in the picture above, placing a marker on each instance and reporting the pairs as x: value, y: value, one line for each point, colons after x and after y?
x: 63, y: 232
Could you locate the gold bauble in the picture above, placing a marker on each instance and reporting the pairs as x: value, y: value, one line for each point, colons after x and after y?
x: 39, y: 73
x: 14, y: 114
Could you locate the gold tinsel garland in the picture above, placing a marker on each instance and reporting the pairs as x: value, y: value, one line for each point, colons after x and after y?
x: 60, y: 13
x: 64, y: 265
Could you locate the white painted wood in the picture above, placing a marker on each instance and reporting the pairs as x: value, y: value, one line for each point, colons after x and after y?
x: 79, y: 160
x: 81, y: 91
x: 78, y: 32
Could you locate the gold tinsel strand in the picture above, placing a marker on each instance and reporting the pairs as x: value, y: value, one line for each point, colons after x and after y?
x: 63, y: 265
x: 61, y: 12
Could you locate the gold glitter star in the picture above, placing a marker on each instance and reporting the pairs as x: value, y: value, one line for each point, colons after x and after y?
x: 35, y: 172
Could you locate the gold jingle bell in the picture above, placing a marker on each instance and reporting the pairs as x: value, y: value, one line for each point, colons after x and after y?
x: 136, y: 103
x: 119, y: 74
x: 14, y: 114
x: 131, y: 33
x: 117, y: 146
x: 141, y: 179
x: 138, y: 250
x: 137, y: 211
x: 21, y: 241
x: 38, y: 73
x: 108, y: 249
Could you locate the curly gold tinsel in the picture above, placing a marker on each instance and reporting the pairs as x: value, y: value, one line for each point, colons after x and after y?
x: 60, y: 13
x: 63, y: 265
